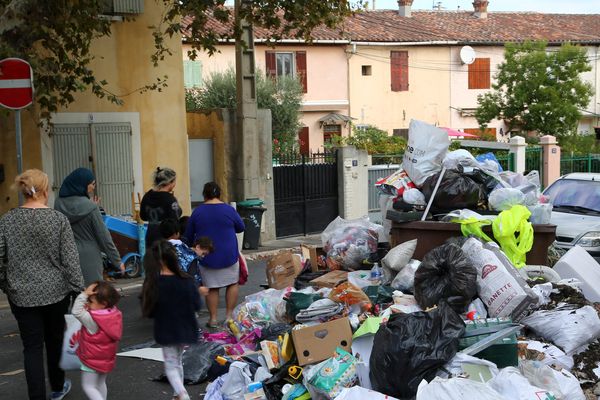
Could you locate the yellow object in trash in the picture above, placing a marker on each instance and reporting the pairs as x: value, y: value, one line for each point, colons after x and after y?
x: 473, y: 227
x: 295, y: 372
x: 287, y: 348
x: 506, y: 226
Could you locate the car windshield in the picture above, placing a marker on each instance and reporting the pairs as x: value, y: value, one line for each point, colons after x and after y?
x: 575, y: 195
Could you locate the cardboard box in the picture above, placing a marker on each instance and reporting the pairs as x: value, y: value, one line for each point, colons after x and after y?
x: 283, y: 269
x: 330, y: 279
x: 317, y: 343
x: 313, y: 254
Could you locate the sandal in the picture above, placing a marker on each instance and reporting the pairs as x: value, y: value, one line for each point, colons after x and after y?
x: 212, y: 324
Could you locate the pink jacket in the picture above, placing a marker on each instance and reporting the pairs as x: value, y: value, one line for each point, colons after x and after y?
x: 99, y: 351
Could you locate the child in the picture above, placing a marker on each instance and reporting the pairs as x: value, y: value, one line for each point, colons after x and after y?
x: 171, y: 297
x: 102, y: 327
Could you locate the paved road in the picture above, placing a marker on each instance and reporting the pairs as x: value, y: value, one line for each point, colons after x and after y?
x: 130, y: 379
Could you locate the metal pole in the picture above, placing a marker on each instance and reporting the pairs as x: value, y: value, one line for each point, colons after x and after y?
x: 19, y: 148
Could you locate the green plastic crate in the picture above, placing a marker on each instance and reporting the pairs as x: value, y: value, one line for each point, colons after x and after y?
x: 504, y: 353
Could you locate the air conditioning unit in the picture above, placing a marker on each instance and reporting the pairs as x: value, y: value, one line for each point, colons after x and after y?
x: 118, y: 7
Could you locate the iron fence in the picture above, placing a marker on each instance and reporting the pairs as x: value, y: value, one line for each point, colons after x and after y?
x: 579, y: 163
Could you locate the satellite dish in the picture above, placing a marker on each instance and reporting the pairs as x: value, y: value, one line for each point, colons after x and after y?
x: 467, y: 55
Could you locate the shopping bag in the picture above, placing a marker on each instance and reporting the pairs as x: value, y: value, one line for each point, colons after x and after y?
x: 243, y: 270
x: 69, y: 360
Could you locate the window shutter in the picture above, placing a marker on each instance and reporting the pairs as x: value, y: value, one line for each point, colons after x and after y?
x: 270, y: 64
x: 196, y: 73
x: 479, y: 74
x: 301, y: 69
x: 303, y: 140
x: 187, y: 74
x: 399, y: 70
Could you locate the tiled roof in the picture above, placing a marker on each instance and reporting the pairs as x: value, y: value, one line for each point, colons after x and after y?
x: 451, y: 26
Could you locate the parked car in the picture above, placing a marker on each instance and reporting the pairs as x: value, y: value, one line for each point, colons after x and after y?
x: 576, y: 211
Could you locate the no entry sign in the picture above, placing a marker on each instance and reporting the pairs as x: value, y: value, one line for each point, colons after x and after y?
x: 16, y: 83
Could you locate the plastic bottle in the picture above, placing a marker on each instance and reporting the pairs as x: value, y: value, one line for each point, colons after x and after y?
x: 376, y: 274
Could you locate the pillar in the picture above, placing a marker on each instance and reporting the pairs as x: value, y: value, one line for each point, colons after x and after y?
x: 353, y: 182
x: 518, y: 147
x: 551, y: 159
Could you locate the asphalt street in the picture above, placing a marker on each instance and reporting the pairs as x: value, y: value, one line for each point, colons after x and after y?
x: 131, y: 377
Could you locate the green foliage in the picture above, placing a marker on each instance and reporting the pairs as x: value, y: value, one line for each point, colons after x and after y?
x: 55, y: 37
x: 282, y: 96
x: 579, y: 144
x: 373, y: 140
x: 538, y: 89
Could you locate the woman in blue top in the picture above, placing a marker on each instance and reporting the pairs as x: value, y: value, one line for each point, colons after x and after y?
x: 220, y: 222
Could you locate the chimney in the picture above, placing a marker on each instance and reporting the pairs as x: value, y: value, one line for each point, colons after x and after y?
x: 404, y: 7
x: 480, y: 7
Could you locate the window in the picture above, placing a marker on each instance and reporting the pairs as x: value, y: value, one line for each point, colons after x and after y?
x: 366, y: 70
x: 192, y: 74
x: 287, y: 64
x: 401, y: 132
x: 399, y: 70
x: 331, y: 130
x: 303, y: 139
x: 479, y: 74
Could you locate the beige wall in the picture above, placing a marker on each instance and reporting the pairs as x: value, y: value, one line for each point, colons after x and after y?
x: 123, y: 59
x: 428, y: 98
x: 326, y: 79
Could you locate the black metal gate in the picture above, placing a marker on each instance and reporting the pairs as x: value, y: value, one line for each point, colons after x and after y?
x: 306, y: 193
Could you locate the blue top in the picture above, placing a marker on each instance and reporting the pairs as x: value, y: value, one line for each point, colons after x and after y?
x: 220, y: 222
x: 186, y: 257
x: 175, y: 311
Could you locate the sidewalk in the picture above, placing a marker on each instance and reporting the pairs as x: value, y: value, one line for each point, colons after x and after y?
x: 272, y: 247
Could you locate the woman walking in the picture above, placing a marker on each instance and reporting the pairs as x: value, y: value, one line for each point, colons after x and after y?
x: 91, y: 235
x: 220, y: 268
x: 159, y: 203
x: 39, y: 268
x: 171, y: 298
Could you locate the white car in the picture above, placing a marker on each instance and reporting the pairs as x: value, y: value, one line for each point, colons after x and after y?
x: 576, y: 211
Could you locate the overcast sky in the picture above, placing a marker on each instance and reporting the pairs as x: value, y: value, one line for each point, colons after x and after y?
x: 547, y: 6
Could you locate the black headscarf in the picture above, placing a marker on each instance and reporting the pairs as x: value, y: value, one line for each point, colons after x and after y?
x: 76, y: 183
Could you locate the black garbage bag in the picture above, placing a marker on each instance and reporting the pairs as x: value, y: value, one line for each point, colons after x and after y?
x: 273, y: 331
x: 379, y: 294
x: 412, y: 347
x: 198, y: 359
x: 272, y: 386
x: 445, y: 272
x: 303, y: 280
x: 456, y: 191
x: 487, y: 182
x: 297, y: 302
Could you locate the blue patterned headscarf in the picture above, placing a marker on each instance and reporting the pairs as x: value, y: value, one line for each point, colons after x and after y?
x: 76, y: 183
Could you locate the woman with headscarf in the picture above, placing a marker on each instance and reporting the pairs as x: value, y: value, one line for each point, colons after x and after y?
x: 91, y: 235
x: 159, y: 203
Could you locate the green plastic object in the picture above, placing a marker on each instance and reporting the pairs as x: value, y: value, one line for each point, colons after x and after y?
x: 514, y: 233
x: 473, y: 227
x: 369, y: 327
x: 504, y: 353
x: 379, y: 294
x: 251, y: 203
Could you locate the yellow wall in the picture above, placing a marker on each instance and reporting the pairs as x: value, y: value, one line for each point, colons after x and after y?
x: 428, y: 98
x: 123, y: 59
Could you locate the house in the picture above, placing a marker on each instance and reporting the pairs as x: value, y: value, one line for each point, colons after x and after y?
x: 122, y: 144
x: 321, y: 66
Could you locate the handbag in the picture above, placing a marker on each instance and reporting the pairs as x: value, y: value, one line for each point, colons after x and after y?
x: 69, y: 360
x: 243, y: 270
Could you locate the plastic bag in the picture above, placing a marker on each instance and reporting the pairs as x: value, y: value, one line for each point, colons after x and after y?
x: 395, y: 184
x: 264, y: 306
x: 273, y: 331
x: 347, y: 293
x: 499, y: 284
x: 411, y: 347
x: 198, y: 359
x: 335, y: 374
x: 505, y: 198
x: 456, y: 367
x: 297, y: 302
x: 235, y: 383
x: 69, y: 360
x: 561, y: 383
x: 445, y: 272
x: 360, y: 279
x: 427, y: 146
x: 456, y: 389
x: 320, y: 311
x: 456, y: 190
x: 405, y: 279
x: 489, y: 162
x: 360, y: 393
x: 512, y: 385
x: 567, y: 327
x: 414, y: 196
x: 386, y: 203
x: 396, y: 259
x: 349, y: 242
x: 379, y: 294
x: 540, y: 213
x: 213, y: 390
x: 552, y: 355
x: 460, y: 157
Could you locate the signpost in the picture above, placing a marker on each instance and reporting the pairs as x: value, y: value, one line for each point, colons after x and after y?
x: 16, y: 92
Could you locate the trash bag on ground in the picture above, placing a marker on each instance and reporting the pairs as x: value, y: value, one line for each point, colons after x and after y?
x: 235, y: 383
x: 411, y: 347
x: 348, y: 294
x: 349, y: 242
x: 396, y: 259
x: 213, y: 390
x: 551, y: 355
x: 337, y: 373
x: 360, y: 393
x: 297, y: 301
x: 458, y: 366
x: 405, y: 279
x: 456, y: 191
x: 273, y: 331
x: 198, y: 359
x: 272, y: 386
x: 360, y: 279
x: 512, y: 385
x: 445, y: 272
x: 427, y: 146
x: 379, y: 294
x: 566, y: 326
x: 456, y: 389
x: 563, y: 384
x: 505, y: 198
x: 303, y: 280
x: 499, y: 285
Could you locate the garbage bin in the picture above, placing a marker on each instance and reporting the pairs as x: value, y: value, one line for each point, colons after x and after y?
x: 251, y: 211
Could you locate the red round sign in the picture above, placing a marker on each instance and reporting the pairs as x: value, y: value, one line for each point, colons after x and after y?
x: 16, y: 83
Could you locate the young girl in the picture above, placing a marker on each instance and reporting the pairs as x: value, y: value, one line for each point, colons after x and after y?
x: 171, y: 297
x: 102, y: 327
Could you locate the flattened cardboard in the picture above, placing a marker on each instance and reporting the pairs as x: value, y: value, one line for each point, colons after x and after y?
x: 317, y: 343
x: 330, y: 279
x: 283, y: 269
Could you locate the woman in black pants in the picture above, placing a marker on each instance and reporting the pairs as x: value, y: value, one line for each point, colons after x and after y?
x: 39, y: 268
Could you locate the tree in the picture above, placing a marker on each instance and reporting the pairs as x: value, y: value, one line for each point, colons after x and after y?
x: 55, y: 36
x: 282, y: 96
x: 538, y: 89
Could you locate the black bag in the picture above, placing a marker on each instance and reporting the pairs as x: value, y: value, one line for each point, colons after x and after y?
x: 273, y: 331
x: 445, y: 273
x: 411, y: 347
x: 303, y: 280
x: 456, y: 191
x: 198, y: 359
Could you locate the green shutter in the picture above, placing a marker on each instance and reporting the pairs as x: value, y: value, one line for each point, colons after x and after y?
x: 196, y: 67
x: 187, y: 74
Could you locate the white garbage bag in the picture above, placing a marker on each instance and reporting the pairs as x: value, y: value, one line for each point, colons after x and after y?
x: 512, y: 385
x: 456, y: 389
x: 426, y: 149
x: 563, y: 384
